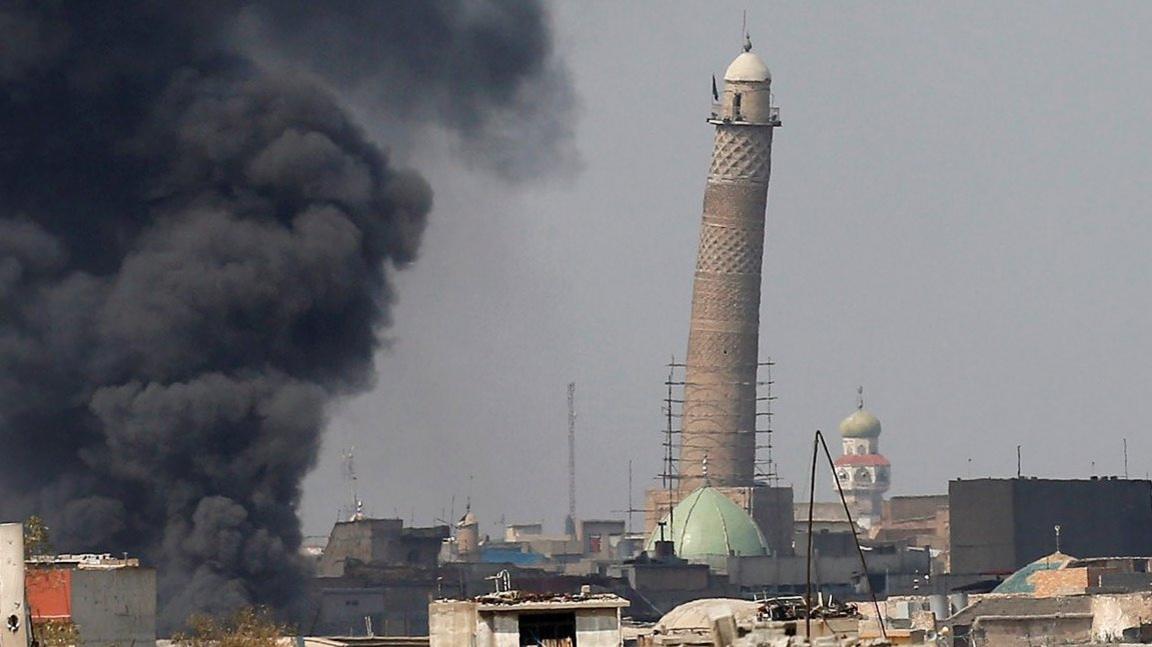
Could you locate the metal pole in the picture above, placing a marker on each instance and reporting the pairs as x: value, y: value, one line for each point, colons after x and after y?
x: 572, y: 457
x: 1125, y: 458
x: 855, y: 536
x: 808, y: 565
x: 818, y: 443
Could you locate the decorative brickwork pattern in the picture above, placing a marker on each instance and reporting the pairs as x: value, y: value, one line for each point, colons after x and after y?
x: 723, y: 304
x: 711, y: 349
x: 729, y: 250
x: 741, y: 154
x: 719, y: 408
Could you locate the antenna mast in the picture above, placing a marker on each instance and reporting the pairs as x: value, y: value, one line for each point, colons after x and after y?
x: 355, y: 510
x: 570, y: 522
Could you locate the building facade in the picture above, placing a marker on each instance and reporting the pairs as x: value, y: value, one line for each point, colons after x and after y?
x: 511, y: 620
x: 103, y: 601
x: 1000, y: 525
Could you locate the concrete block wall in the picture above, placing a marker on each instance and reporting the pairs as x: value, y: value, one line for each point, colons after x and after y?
x: 599, y: 628
x: 12, y: 586
x: 451, y: 623
x: 114, y: 607
x: 1113, y: 614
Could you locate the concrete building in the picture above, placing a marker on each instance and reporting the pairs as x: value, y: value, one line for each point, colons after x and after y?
x: 509, y: 619
x: 1000, y: 525
x: 838, y: 573
x: 864, y: 473
x: 376, y: 576
x: 12, y: 600
x: 515, y: 532
x: 107, y: 601
x: 601, y: 538
x: 380, y: 541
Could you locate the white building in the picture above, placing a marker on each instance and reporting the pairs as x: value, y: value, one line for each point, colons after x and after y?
x: 512, y: 619
x: 864, y: 473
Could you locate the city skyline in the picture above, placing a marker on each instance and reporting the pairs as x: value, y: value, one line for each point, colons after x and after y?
x: 954, y: 222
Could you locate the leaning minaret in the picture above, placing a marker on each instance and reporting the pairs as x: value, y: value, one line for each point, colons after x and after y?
x: 719, y: 439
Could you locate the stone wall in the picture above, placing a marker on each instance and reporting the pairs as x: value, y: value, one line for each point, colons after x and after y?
x: 1113, y: 615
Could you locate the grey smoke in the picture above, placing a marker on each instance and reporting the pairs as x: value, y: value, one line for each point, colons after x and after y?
x: 196, y: 243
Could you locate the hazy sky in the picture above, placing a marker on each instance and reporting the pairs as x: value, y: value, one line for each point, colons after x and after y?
x: 959, y: 220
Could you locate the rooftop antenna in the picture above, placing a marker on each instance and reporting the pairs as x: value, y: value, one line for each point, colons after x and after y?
x: 630, y: 510
x: 1057, y: 529
x: 570, y: 522
x: 355, y: 511
x: 1018, y: 470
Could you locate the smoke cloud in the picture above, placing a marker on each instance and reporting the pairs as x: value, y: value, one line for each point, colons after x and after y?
x: 196, y: 244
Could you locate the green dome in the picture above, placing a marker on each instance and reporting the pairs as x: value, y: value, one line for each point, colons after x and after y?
x: 861, y: 424
x: 1021, y: 580
x: 707, y: 523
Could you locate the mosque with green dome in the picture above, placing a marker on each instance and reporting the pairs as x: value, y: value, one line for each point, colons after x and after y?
x: 706, y: 526
x: 864, y: 473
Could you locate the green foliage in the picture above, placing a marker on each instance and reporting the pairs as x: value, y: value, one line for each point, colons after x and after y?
x: 36, y: 538
x: 56, y: 633
x: 251, y: 627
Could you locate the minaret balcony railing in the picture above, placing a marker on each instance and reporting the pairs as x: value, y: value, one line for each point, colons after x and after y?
x: 739, y: 120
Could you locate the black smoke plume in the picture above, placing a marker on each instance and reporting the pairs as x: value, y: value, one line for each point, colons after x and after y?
x: 196, y: 241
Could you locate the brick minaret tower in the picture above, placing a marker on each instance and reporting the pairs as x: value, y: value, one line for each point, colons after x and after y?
x: 723, y: 350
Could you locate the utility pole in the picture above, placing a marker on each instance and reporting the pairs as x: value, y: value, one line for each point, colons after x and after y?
x: 570, y: 522
x: 630, y: 509
x: 629, y: 528
x: 1125, y: 458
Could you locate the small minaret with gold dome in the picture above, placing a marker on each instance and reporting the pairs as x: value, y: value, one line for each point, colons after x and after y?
x: 863, y: 471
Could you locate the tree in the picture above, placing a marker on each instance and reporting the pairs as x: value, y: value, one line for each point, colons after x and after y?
x: 55, y: 633
x: 36, y: 537
x: 250, y: 627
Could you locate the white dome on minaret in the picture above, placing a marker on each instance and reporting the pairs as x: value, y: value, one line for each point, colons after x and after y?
x: 748, y: 67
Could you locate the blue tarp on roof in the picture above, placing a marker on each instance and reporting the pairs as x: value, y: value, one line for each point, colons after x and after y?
x: 509, y: 556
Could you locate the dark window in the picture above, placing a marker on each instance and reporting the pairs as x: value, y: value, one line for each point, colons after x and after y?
x: 548, y: 630
x: 736, y: 105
